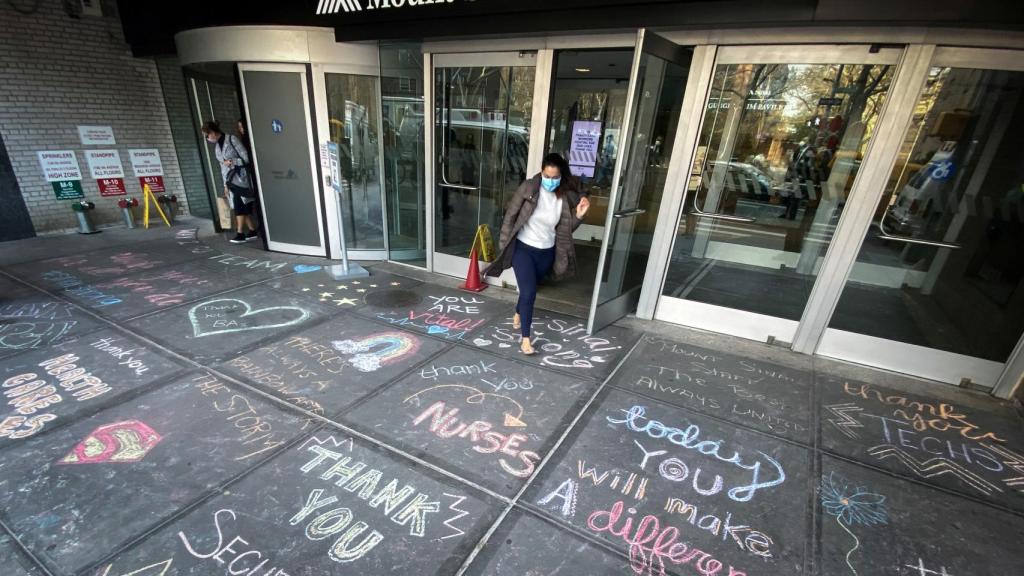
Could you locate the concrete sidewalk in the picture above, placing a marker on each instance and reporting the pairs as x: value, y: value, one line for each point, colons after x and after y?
x: 180, y: 405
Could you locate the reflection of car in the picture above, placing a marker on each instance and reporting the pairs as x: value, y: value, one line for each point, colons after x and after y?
x: 744, y: 180
x: 471, y: 143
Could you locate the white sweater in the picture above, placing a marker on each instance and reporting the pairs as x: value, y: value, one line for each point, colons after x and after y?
x: 539, y: 230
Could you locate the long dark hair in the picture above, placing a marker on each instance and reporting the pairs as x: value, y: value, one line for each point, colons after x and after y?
x: 556, y: 160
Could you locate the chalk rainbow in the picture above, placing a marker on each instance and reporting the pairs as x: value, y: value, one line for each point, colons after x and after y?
x: 376, y: 350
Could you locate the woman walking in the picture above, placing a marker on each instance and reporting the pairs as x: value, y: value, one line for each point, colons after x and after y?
x: 238, y: 191
x: 536, y: 236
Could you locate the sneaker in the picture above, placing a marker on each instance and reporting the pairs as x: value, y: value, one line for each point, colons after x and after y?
x: 252, y: 235
x: 238, y: 239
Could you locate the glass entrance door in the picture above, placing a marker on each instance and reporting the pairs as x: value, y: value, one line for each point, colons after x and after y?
x: 483, y: 105
x: 783, y: 135
x: 657, y: 84
x: 937, y: 289
x: 354, y: 116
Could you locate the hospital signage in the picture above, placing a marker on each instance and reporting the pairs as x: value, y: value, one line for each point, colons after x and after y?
x: 336, y: 6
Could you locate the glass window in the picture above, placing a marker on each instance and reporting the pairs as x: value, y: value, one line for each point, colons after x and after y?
x: 959, y: 180
x: 779, y: 149
x: 404, y: 181
x: 352, y: 107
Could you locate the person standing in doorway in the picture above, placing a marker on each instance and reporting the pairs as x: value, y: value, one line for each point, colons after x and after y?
x: 238, y: 190
x: 242, y: 134
x: 536, y: 236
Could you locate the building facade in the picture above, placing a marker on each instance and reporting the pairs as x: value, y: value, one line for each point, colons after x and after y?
x: 843, y: 180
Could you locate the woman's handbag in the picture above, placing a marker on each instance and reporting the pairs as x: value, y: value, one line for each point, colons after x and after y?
x: 243, y: 191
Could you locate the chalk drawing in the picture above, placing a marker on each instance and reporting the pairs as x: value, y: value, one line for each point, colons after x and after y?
x: 1013, y: 461
x: 844, y: 421
x: 304, y: 268
x: 232, y: 304
x: 922, y: 571
x: 127, y: 441
x: 165, y: 563
x: 851, y: 506
x: 477, y: 397
x: 934, y: 467
x: 459, y: 513
x: 378, y: 350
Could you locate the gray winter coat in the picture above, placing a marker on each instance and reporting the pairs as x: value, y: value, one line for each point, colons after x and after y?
x: 518, y: 212
x: 231, y: 148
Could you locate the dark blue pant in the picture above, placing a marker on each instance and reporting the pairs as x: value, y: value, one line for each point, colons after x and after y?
x: 530, y: 265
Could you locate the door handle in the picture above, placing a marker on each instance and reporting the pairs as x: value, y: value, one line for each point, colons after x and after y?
x: 717, y: 216
x: 911, y: 240
x: 628, y: 213
x: 457, y: 186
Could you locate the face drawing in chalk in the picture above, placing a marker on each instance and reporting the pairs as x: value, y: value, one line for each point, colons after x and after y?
x: 377, y: 350
x: 127, y: 441
x: 851, y: 506
x: 211, y: 317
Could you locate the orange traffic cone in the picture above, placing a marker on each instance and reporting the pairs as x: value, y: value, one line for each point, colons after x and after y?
x: 473, y: 283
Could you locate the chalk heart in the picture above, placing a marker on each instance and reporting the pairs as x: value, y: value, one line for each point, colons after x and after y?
x: 216, y: 308
x: 435, y: 329
x: 482, y: 342
x: 304, y: 268
x: 504, y: 345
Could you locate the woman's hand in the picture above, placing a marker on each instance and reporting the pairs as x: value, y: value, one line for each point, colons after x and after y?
x: 582, y: 207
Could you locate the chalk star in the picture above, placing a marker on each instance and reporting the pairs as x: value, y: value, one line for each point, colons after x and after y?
x: 373, y: 285
x: 323, y: 299
x: 348, y: 301
x: 360, y: 289
x: 356, y: 282
x: 305, y: 289
x: 342, y: 287
x: 320, y: 285
x: 396, y: 283
x: 326, y: 294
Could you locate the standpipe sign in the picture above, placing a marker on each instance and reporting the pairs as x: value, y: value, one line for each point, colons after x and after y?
x: 335, y: 6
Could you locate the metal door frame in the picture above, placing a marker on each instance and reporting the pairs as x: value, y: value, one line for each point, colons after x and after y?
x: 300, y: 69
x: 371, y: 70
x: 934, y: 364
x: 542, y: 63
x: 647, y: 42
x: 721, y: 319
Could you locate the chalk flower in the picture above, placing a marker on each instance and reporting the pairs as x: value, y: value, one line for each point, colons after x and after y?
x: 851, y: 505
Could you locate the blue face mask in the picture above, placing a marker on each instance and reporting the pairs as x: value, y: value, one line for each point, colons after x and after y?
x: 550, y: 184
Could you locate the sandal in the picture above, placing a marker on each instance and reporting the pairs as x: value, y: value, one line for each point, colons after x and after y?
x: 515, y: 321
x: 526, y: 348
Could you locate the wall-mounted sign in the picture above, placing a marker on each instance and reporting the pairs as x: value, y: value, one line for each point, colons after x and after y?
x: 104, y: 164
x: 146, y: 162
x: 156, y: 184
x: 59, y: 165
x: 586, y: 136
x: 67, y: 189
x: 96, y: 135
x: 111, y: 186
x: 830, y: 101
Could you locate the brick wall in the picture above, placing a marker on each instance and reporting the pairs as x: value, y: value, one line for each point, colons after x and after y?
x: 58, y: 72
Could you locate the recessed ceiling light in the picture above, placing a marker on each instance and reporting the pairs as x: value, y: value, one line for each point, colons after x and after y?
x: 583, y: 69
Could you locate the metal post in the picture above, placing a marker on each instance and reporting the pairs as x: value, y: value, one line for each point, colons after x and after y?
x: 346, y: 270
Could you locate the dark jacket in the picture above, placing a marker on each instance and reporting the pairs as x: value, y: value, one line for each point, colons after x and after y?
x: 518, y: 212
